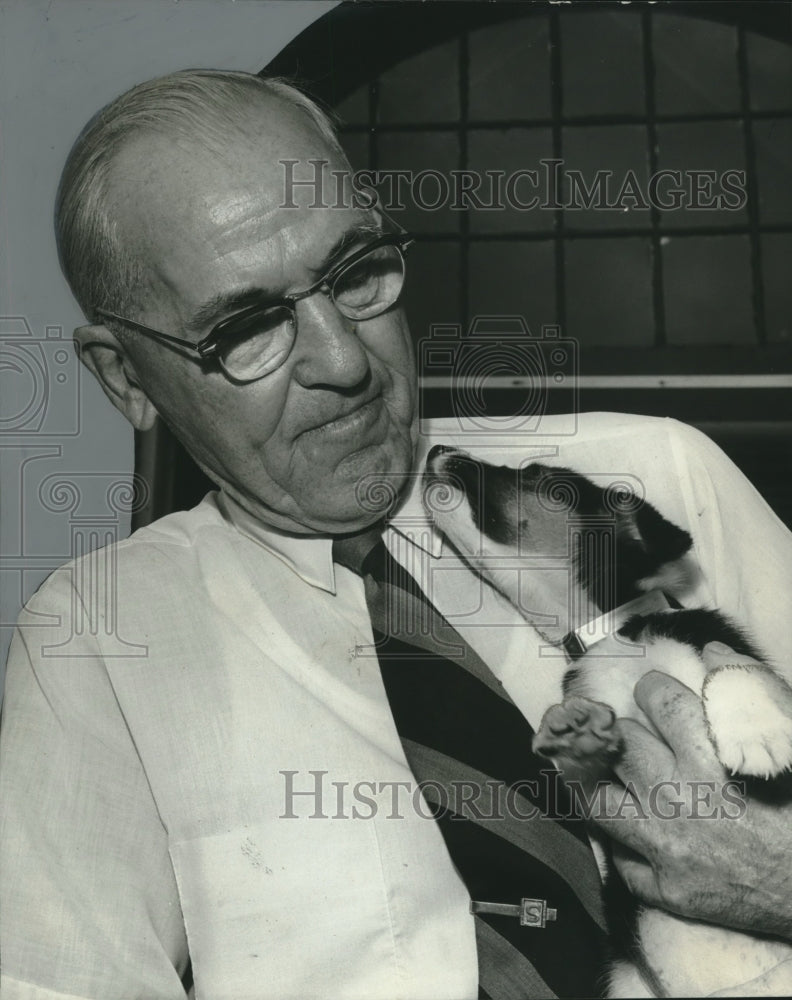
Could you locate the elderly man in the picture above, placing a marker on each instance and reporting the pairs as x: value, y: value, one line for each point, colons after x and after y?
x: 217, y: 797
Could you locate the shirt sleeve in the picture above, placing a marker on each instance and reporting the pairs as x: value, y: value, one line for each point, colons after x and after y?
x: 89, y: 905
x: 743, y: 547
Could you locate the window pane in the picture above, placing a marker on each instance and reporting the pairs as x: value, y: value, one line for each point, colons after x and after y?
x: 695, y: 65
x: 609, y: 292
x: 510, y: 70
x: 708, y: 290
x: 423, y: 88
x: 431, y: 291
x: 509, y: 151
x: 769, y: 73
x: 700, y: 146
x: 617, y: 157
x: 776, y: 257
x: 429, y: 157
x: 514, y: 278
x: 773, y: 144
x: 354, y: 110
x: 602, y: 60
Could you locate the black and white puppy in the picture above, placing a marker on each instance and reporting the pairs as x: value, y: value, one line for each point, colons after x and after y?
x: 594, y: 568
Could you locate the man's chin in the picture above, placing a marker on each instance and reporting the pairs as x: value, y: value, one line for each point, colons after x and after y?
x: 335, y: 497
x: 365, y: 488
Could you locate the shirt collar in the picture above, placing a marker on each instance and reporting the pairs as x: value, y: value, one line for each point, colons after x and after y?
x: 311, y: 556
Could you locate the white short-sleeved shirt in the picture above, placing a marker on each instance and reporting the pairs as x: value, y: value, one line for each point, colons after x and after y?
x: 198, y: 758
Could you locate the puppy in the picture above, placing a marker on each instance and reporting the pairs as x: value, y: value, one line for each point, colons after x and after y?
x: 594, y: 569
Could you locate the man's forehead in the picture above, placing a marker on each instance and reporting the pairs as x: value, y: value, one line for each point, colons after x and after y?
x: 225, y: 217
x: 214, y: 180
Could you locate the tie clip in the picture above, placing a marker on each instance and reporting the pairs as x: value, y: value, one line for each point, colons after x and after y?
x: 532, y: 912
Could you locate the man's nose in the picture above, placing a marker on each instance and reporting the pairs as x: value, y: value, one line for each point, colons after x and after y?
x: 327, y: 349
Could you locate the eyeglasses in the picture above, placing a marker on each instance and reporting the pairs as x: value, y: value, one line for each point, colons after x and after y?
x: 257, y: 340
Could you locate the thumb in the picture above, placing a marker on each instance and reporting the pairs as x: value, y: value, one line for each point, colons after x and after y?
x: 645, y: 760
x: 775, y: 983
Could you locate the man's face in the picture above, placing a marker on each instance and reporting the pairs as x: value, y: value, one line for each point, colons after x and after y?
x: 292, y: 446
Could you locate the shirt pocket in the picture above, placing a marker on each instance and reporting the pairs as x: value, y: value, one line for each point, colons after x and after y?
x: 288, y: 908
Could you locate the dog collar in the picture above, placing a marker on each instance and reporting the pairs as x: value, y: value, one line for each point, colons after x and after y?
x: 579, y: 642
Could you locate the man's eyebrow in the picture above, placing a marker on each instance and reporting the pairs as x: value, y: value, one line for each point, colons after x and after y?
x: 358, y: 233
x: 224, y: 304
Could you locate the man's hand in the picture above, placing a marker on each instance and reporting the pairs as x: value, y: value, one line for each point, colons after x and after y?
x: 699, y: 848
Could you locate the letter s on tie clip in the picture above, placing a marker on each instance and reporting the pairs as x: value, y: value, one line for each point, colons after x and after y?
x: 532, y: 912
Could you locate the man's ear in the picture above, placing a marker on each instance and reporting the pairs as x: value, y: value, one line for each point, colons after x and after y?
x: 103, y: 354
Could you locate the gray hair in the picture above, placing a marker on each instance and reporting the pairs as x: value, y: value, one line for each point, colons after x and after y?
x: 202, y: 103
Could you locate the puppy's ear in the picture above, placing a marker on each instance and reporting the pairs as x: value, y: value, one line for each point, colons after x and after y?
x: 654, y: 549
x: 661, y: 538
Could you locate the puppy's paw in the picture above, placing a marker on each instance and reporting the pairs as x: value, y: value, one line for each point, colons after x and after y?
x: 580, y: 730
x: 749, y: 713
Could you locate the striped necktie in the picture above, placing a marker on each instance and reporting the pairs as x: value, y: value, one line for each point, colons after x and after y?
x: 533, y: 882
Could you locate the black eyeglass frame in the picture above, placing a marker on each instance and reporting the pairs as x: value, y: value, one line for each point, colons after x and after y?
x: 222, y: 331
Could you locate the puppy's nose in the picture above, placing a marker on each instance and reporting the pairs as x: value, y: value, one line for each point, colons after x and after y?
x: 433, y: 463
x: 439, y: 449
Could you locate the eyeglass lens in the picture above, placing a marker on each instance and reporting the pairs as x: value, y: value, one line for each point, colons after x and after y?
x: 261, y: 342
